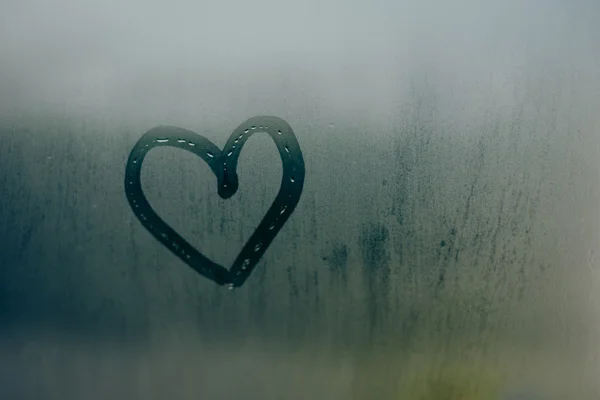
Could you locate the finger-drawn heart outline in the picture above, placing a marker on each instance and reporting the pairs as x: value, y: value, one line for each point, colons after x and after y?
x: 223, y: 164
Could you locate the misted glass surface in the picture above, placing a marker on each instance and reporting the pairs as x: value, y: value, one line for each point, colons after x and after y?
x: 445, y: 245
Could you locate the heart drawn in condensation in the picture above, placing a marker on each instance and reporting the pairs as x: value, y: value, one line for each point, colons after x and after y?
x: 223, y: 164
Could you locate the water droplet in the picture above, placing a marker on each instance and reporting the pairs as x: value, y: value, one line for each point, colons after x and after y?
x: 257, y: 247
x: 135, y: 160
x: 245, y: 131
x: 292, y: 179
x: 191, y: 144
x: 279, y: 132
x: 211, y: 155
x: 253, y: 127
x: 246, y: 263
x: 271, y: 227
x: 229, y: 154
x: 230, y: 286
x: 287, y: 150
x: 162, y: 140
x: 282, y: 210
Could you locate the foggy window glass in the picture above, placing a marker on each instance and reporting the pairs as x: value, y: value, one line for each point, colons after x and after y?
x: 444, y: 244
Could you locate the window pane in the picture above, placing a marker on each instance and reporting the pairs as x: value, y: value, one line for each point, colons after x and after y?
x: 444, y: 246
